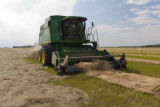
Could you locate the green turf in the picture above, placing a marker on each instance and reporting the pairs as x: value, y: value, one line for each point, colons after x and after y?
x: 143, y: 69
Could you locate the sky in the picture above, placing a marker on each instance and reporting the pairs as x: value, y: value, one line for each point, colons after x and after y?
x: 119, y: 22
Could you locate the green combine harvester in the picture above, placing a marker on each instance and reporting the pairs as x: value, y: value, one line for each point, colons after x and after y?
x: 65, y: 42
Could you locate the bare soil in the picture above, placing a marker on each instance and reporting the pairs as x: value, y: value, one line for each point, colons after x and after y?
x: 26, y: 85
x: 103, y: 70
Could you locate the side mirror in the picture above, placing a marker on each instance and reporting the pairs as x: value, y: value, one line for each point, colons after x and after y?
x: 92, y: 24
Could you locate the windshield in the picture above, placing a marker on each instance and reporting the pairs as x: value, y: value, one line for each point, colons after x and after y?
x: 73, y: 29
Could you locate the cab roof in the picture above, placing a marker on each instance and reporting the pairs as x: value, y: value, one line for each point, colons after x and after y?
x: 75, y: 17
x: 69, y: 17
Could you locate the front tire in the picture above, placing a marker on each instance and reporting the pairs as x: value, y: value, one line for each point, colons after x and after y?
x: 46, y: 56
x: 40, y: 56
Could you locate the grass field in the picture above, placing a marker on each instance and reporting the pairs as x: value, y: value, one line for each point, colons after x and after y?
x: 143, y: 69
x: 102, y: 93
x: 149, y: 51
x: 144, y: 57
x: 132, y: 53
x: 138, y: 53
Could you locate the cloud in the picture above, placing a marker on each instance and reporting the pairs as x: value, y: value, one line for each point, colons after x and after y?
x: 123, y: 36
x: 21, y: 19
x: 143, y: 29
x: 149, y: 15
x: 138, y: 2
x: 144, y: 19
x: 87, y: 0
x: 156, y: 10
x: 112, y: 29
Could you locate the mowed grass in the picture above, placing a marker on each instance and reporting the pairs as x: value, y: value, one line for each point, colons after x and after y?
x: 132, y: 53
x: 141, y: 53
x: 136, y: 51
x: 144, y: 57
x: 104, y: 94
x: 143, y: 69
x: 140, y: 56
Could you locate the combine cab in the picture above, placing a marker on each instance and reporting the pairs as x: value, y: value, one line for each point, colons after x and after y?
x: 65, y: 42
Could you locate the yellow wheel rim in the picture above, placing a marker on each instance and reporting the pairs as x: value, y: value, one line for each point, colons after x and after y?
x: 43, y: 57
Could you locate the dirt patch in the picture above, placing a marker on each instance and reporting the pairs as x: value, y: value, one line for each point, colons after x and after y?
x: 26, y: 85
x: 143, y: 60
x: 129, y: 80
